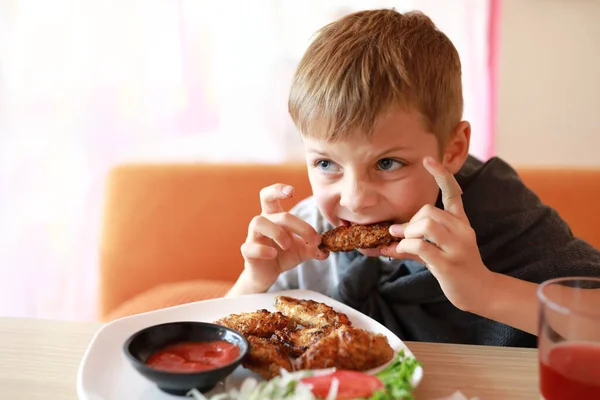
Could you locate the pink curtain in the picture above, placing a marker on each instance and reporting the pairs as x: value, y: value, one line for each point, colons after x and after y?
x: 86, y: 84
x: 493, y: 54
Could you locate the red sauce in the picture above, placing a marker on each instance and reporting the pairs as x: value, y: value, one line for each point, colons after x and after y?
x: 571, y: 371
x: 194, y: 356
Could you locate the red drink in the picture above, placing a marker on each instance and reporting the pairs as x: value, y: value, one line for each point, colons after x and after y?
x: 571, y: 371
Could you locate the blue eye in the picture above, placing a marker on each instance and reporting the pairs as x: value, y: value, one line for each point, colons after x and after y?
x: 327, y: 166
x: 389, y: 164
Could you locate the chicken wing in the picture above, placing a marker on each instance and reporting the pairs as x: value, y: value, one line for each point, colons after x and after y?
x: 266, y: 357
x: 260, y: 323
x: 298, y: 341
x: 349, y: 238
x: 310, y: 313
x: 348, y: 348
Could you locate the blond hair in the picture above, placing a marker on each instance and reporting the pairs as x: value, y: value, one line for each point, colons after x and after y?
x: 368, y: 62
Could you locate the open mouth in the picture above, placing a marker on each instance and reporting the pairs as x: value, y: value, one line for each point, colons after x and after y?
x: 349, y: 223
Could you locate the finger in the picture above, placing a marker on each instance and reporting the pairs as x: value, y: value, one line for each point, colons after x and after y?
x: 297, y: 226
x: 428, y: 211
x: 261, y: 226
x: 429, y: 229
x: 451, y: 190
x: 391, y: 250
x: 257, y: 251
x: 308, y: 251
x: 429, y: 253
x: 271, y: 195
x: 322, y: 254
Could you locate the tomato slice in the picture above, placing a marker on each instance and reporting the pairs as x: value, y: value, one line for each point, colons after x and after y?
x: 352, y: 384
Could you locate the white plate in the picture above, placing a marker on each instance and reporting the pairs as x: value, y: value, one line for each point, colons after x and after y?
x: 104, y: 374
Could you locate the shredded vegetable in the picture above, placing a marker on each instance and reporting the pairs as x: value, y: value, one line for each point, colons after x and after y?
x: 397, y: 379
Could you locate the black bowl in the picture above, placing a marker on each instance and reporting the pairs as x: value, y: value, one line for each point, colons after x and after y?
x: 142, y: 344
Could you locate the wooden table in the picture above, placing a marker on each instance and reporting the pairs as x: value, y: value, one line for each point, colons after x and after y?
x: 39, y: 360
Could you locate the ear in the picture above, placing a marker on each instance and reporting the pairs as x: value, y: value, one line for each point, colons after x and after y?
x: 456, y: 150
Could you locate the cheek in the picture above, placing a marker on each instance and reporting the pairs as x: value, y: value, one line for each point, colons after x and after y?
x: 327, y: 201
x: 411, y: 196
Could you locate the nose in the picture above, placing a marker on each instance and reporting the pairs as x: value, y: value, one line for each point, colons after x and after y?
x: 357, y: 195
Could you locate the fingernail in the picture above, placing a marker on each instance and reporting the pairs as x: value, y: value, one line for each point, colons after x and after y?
x: 288, y: 190
x: 317, y: 240
x: 285, y: 244
x: 428, y: 160
x: 397, y: 230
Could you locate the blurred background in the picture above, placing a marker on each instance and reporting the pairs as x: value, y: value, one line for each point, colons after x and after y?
x: 88, y: 84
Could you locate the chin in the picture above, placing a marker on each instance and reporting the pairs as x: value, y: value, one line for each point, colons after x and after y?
x: 370, y: 252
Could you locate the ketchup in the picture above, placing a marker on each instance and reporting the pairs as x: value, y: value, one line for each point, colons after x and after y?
x: 194, y: 356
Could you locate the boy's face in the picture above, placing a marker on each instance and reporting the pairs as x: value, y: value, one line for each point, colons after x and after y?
x: 363, y: 180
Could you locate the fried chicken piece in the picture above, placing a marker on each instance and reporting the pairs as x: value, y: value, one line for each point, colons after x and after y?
x: 298, y: 341
x: 348, y: 348
x: 349, y: 238
x: 266, y: 357
x: 261, y: 323
x: 310, y: 313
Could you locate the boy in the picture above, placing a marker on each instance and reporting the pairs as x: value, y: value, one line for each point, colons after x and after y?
x: 378, y: 100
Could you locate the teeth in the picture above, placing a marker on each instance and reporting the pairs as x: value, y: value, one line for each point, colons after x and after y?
x: 348, y: 223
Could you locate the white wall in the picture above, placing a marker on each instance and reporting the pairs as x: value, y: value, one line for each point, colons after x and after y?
x: 549, y: 82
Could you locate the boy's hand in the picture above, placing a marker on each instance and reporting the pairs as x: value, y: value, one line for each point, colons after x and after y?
x: 277, y: 241
x: 445, y: 242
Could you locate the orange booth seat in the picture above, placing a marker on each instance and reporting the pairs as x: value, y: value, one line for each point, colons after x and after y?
x: 172, y: 232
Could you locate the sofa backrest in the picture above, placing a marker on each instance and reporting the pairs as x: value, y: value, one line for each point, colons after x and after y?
x: 175, y: 222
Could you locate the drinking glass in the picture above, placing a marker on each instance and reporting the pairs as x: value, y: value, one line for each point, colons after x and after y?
x: 569, y: 338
